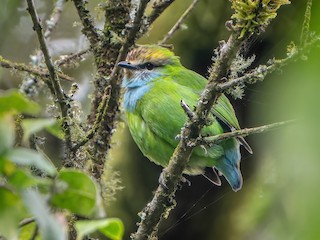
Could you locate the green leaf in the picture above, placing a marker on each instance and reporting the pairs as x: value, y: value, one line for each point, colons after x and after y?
x: 110, y: 227
x: 16, y: 102
x: 28, y: 157
x: 22, y: 179
x: 56, y: 129
x: 27, y: 231
x: 6, y: 167
x: 31, y: 126
x: 49, y: 226
x: 77, y: 192
x: 6, y: 133
x: 11, y: 211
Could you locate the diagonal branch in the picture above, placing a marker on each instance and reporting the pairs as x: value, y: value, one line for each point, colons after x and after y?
x: 70, y: 58
x: 158, y: 8
x: 101, y: 114
x: 180, y: 21
x: 54, y: 18
x: 89, y: 29
x: 129, y: 41
x: 56, y: 87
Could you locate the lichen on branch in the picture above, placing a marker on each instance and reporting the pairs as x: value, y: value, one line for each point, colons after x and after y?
x: 252, y: 16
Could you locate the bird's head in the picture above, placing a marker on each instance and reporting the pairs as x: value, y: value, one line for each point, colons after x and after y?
x: 145, y: 63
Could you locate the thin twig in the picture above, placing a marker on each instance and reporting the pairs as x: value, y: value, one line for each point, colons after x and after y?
x: 35, y: 233
x: 57, y: 90
x: 71, y: 57
x: 158, y: 8
x: 186, y: 109
x: 179, y: 23
x: 54, y: 18
x: 260, y: 72
x: 242, y: 132
x: 37, y: 71
x: 101, y: 114
x: 26, y: 221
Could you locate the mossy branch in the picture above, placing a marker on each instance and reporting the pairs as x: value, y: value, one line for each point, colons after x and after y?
x: 101, y: 114
x: 114, y: 78
x: 111, y: 47
x: 71, y: 58
x: 37, y: 71
x: 259, y: 73
x: 89, y: 29
x: 57, y: 90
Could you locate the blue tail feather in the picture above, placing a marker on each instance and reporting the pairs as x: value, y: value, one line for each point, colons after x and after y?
x: 229, y: 166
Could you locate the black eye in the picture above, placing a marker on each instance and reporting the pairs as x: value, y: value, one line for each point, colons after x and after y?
x: 149, y: 66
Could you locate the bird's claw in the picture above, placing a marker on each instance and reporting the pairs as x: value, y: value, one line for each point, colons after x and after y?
x: 162, y: 181
x: 184, y: 180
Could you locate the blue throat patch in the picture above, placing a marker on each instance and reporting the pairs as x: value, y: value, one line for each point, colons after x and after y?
x: 136, y: 88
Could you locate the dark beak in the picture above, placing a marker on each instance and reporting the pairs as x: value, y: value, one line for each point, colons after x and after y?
x: 128, y: 65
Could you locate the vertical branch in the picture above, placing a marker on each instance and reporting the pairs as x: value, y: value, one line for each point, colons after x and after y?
x: 113, y: 47
x: 30, y: 82
x: 54, y: 80
x: 106, y: 49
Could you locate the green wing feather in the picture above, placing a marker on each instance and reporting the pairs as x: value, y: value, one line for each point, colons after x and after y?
x: 222, y: 109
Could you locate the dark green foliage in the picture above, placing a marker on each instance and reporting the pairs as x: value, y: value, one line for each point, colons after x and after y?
x: 45, y: 200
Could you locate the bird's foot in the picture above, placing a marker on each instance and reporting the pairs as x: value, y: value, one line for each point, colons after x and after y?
x: 162, y: 181
x: 184, y: 180
x: 178, y: 137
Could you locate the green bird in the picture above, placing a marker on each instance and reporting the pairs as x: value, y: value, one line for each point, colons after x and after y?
x: 154, y: 83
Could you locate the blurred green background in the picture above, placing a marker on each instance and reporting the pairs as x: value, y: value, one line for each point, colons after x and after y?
x: 279, y: 199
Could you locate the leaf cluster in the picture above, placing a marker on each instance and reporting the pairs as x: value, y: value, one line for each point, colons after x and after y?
x: 33, y: 204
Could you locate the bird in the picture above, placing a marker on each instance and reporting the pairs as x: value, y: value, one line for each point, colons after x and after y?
x: 154, y: 84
